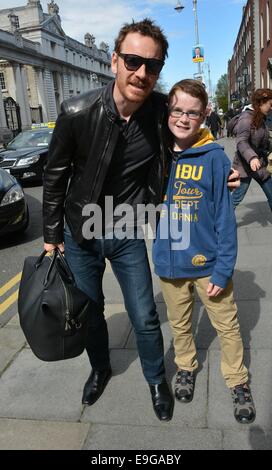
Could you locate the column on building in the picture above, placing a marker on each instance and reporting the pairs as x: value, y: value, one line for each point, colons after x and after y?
x: 65, y: 86
x: 50, y: 95
x: 5, y: 134
x: 60, y: 87
x: 21, y: 95
x: 41, y: 93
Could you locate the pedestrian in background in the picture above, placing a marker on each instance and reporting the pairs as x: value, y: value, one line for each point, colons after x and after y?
x: 222, y: 123
x: 252, y: 139
x: 197, y: 183
x: 229, y: 114
x: 213, y: 121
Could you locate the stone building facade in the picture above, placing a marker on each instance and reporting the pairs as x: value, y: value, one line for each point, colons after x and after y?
x: 40, y: 66
x: 251, y: 64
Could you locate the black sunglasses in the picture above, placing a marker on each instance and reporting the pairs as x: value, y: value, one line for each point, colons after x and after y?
x: 134, y: 62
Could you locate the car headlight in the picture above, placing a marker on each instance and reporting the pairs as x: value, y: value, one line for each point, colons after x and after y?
x: 13, y: 195
x: 28, y: 160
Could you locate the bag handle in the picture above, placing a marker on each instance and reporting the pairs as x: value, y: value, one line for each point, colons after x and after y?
x: 65, y: 268
x: 63, y: 265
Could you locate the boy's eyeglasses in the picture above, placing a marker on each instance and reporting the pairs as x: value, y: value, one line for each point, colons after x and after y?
x: 177, y: 113
x: 134, y: 62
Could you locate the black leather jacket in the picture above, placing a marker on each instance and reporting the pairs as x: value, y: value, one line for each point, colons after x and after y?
x: 80, y: 152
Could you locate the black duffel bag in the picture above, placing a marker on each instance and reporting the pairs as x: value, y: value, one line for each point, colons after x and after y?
x: 54, y: 314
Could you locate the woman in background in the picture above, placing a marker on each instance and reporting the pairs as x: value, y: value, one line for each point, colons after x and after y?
x: 252, y: 138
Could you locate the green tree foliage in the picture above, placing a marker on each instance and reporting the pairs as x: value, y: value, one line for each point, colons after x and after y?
x: 221, y: 92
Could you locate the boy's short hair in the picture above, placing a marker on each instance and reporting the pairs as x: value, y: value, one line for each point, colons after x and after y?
x: 191, y: 87
x: 146, y: 27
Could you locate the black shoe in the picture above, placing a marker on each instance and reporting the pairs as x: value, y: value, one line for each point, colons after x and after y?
x: 95, y: 385
x: 162, y: 399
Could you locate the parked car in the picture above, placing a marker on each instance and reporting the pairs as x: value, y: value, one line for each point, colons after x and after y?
x: 14, y: 216
x: 25, y: 156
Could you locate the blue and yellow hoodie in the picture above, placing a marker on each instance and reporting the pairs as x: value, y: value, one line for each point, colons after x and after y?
x: 196, y: 234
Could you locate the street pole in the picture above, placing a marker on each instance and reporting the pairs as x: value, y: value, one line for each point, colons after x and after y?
x: 210, y: 84
x: 179, y: 7
x: 196, y: 31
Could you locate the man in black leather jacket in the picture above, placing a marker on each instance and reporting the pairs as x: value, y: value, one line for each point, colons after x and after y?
x: 108, y: 143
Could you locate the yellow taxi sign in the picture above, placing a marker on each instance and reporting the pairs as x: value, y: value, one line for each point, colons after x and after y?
x: 42, y: 125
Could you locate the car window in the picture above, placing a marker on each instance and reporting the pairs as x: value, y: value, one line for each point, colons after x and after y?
x: 31, y: 139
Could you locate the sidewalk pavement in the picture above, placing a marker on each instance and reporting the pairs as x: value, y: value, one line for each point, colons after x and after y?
x: 40, y: 403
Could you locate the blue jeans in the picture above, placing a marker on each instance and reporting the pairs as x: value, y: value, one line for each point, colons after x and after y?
x: 130, y: 265
x: 239, y: 193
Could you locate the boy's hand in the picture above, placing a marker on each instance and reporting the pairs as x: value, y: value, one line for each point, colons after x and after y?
x: 234, y: 179
x: 213, y: 290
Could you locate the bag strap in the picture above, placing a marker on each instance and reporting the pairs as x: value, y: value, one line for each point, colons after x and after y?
x: 52, y: 261
x: 65, y: 269
x: 40, y: 259
x: 64, y: 265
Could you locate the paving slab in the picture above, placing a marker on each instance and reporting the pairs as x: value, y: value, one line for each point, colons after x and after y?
x: 255, y: 321
x: 252, y: 282
x: 131, y: 437
x: 17, y: 434
x: 119, y: 325
x: 220, y: 408
x: 14, y: 321
x: 32, y: 389
x: 242, y: 237
x: 127, y: 399
x: 12, y: 341
x: 253, y: 258
x: 255, y: 438
x: 111, y: 289
x: 259, y: 236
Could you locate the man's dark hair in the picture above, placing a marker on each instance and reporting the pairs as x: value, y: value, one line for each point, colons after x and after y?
x: 146, y: 27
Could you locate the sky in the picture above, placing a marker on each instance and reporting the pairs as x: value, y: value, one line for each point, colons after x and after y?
x: 218, y: 24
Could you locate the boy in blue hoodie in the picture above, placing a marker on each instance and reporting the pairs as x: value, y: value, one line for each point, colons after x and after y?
x: 196, y: 246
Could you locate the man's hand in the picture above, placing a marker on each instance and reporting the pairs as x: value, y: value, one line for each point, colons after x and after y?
x: 255, y: 164
x: 213, y: 290
x: 51, y: 246
x: 234, y: 179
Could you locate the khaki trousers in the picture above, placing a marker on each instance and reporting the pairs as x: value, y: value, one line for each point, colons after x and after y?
x: 222, y: 311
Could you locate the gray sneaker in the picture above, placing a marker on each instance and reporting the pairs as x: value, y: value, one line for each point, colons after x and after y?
x: 244, y: 409
x: 184, y: 386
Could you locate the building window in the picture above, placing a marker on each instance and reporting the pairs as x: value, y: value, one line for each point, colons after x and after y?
x: 262, y: 80
x: 55, y: 81
x: 2, y: 81
x: 70, y: 86
x: 262, y: 32
x: 268, y: 84
x: 16, y: 21
x: 53, y: 47
x: 66, y: 55
x: 267, y: 22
